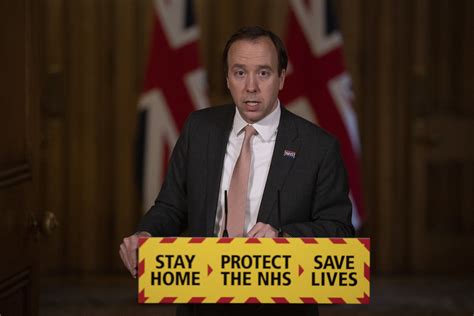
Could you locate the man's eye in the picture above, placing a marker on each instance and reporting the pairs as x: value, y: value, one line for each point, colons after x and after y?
x: 239, y: 73
x: 264, y: 73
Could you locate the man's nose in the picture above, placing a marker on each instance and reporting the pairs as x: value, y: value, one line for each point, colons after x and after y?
x: 251, y: 84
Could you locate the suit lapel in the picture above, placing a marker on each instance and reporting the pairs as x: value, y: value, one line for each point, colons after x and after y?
x: 216, y: 148
x: 287, y: 140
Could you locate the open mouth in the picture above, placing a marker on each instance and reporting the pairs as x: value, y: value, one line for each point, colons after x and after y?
x: 252, y: 103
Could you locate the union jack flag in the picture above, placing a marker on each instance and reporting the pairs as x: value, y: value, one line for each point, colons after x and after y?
x: 175, y: 85
x: 318, y: 87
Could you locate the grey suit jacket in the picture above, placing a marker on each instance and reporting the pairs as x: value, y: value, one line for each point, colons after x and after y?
x: 313, y: 183
x: 313, y: 191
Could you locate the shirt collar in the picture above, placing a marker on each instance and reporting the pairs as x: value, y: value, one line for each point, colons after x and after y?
x: 265, y: 128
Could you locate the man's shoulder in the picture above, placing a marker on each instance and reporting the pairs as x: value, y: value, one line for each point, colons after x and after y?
x: 213, y: 119
x: 307, y: 129
x: 214, y: 113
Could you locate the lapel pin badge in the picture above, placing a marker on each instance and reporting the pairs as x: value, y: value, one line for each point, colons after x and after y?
x: 289, y: 153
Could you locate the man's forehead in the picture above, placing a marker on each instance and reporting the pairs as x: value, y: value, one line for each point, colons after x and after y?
x: 261, y: 48
x: 262, y: 40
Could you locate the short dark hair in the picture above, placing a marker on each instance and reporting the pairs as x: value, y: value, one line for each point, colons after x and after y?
x: 253, y: 33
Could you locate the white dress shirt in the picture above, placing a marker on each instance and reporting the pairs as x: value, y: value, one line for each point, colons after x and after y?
x: 263, y: 144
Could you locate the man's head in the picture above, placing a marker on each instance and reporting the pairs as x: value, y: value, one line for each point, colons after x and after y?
x: 255, y: 62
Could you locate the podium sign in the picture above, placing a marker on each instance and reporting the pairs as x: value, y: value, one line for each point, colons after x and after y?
x: 254, y: 270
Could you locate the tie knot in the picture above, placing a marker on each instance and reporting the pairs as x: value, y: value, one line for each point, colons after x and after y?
x: 249, y: 130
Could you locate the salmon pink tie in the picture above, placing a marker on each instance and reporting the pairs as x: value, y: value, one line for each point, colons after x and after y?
x: 239, y: 184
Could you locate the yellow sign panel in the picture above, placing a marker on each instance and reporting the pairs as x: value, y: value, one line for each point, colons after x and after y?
x: 254, y: 270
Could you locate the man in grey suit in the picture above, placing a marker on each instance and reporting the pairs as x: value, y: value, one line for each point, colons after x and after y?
x: 288, y: 154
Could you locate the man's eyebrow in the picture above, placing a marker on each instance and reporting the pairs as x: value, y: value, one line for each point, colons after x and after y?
x: 238, y: 66
x: 268, y: 67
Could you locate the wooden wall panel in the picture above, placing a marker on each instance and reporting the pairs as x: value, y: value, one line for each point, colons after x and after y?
x: 388, y: 126
x: 13, y: 96
x: 126, y: 83
x: 442, y: 157
x: 95, y: 56
x: 411, y: 65
x: 53, y: 154
x: 406, y: 58
x: 19, y: 161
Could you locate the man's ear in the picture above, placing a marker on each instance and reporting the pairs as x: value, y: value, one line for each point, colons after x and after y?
x: 282, y: 78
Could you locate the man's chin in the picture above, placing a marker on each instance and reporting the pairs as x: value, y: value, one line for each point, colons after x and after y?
x: 252, y: 116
